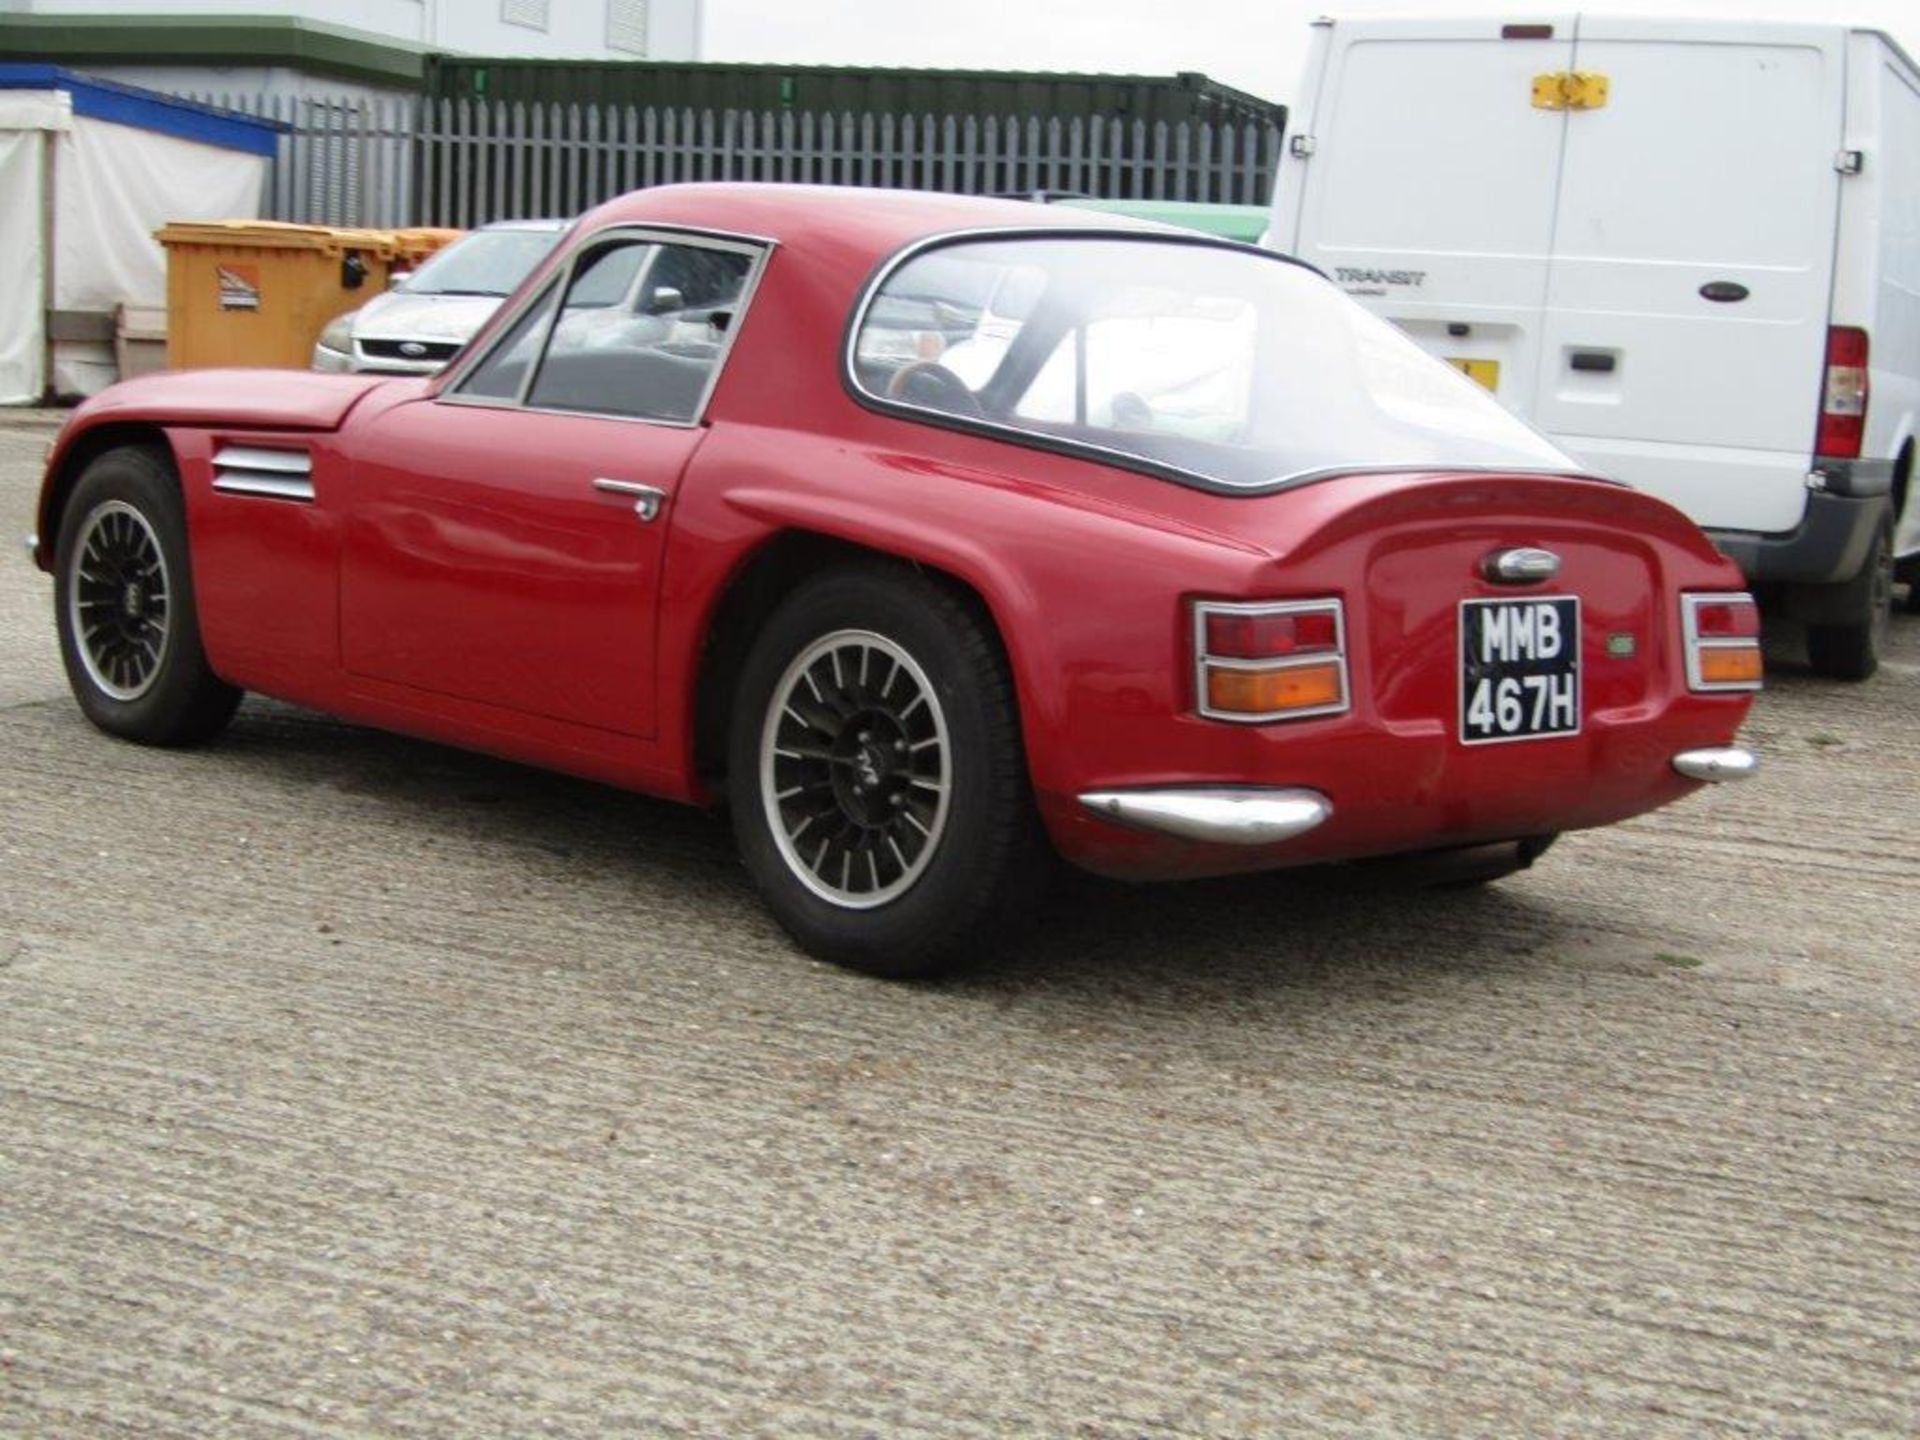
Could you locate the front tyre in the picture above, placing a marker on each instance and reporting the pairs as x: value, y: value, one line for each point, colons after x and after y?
x: 1852, y: 649
x: 876, y: 774
x: 123, y: 598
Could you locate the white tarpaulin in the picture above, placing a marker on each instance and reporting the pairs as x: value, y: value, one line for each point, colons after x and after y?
x: 26, y: 123
x: 119, y: 163
x: 116, y: 185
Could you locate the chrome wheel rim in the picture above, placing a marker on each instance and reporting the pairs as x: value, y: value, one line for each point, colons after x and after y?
x: 119, y: 600
x: 855, y: 769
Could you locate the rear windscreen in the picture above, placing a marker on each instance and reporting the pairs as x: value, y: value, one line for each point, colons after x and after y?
x: 1234, y: 368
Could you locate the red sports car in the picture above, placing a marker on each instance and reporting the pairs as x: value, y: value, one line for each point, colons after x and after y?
x: 935, y: 537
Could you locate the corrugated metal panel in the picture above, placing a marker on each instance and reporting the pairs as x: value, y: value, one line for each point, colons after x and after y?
x: 826, y: 89
x: 348, y: 161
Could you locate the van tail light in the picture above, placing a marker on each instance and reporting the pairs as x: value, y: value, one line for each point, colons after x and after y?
x: 1843, y: 396
x: 1722, y: 641
x: 1279, y: 661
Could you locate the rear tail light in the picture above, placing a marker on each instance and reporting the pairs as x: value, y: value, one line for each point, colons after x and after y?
x: 1278, y: 661
x: 1722, y: 641
x: 1843, y: 396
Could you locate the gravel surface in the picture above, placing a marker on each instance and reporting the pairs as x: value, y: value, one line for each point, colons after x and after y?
x: 353, y: 1086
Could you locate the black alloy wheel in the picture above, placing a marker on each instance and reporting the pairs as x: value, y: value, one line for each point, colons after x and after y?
x: 877, y: 776
x: 124, y: 605
x: 854, y: 776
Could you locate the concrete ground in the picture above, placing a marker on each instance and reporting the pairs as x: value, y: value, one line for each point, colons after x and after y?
x: 352, y: 1086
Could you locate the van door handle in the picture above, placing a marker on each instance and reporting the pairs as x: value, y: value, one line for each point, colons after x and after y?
x: 647, y: 499
x: 1592, y: 360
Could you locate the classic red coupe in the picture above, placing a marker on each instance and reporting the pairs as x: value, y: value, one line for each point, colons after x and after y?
x: 935, y: 537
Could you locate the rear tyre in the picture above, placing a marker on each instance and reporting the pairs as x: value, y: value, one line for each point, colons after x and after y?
x: 123, y: 598
x: 877, y: 777
x: 1909, y: 571
x: 1852, y: 649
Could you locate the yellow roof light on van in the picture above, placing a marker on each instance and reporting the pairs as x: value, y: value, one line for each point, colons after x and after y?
x: 1570, y: 90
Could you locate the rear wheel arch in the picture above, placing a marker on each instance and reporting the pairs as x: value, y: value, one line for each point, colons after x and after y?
x: 755, y: 591
x: 86, y: 448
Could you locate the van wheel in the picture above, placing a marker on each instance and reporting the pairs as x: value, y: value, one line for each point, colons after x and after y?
x: 1852, y: 650
x: 877, y: 776
x: 123, y: 599
x: 1909, y: 571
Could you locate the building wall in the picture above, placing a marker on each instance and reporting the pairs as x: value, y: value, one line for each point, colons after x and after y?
x: 546, y: 29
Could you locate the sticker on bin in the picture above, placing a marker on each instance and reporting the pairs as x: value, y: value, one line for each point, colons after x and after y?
x: 239, y: 286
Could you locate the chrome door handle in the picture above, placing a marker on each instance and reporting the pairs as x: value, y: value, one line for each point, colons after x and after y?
x: 647, y: 499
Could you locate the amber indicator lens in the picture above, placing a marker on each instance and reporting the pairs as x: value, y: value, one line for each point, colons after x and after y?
x: 1268, y: 637
x: 1268, y: 692
x: 1731, y: 665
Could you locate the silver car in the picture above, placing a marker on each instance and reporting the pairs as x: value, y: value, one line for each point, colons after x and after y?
x: 415, y: 327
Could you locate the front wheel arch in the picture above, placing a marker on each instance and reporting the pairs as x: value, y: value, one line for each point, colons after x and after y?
x: 87, y: 447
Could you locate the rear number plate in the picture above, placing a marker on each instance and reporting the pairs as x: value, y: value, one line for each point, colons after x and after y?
x: 1519, y: 669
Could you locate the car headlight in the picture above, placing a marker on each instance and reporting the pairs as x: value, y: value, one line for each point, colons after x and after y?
x: 339, y: 334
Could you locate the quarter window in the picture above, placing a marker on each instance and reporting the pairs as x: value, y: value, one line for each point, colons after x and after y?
x: 504, y: 372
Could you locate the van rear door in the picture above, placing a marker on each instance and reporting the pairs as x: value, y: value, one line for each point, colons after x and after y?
x: 1692, y: 269
x: 1431, y: 199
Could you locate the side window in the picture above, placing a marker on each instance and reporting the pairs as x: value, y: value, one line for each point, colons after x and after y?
x: 651, y: 354
x: 501, y: 374
x: 607, y: 277
x: 639, y: 332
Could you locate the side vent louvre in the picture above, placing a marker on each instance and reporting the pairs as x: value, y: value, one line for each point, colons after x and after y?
x: 271, y: 474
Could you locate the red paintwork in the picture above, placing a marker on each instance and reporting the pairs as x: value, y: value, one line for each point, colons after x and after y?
x: 458, y: 577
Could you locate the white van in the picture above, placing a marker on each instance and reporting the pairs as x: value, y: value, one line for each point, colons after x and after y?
x: 1689, y: 251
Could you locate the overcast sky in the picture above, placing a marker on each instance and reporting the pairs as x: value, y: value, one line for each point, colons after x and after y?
x: 1257, y: 45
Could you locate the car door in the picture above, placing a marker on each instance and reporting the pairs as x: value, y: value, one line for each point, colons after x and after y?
x: 506, y: 537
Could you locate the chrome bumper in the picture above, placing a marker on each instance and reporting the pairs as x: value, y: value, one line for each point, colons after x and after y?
x: 1721, y: 763
x: 1217, y: 815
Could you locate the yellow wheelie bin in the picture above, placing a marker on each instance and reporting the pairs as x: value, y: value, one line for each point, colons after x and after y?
x: 258, y: 292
